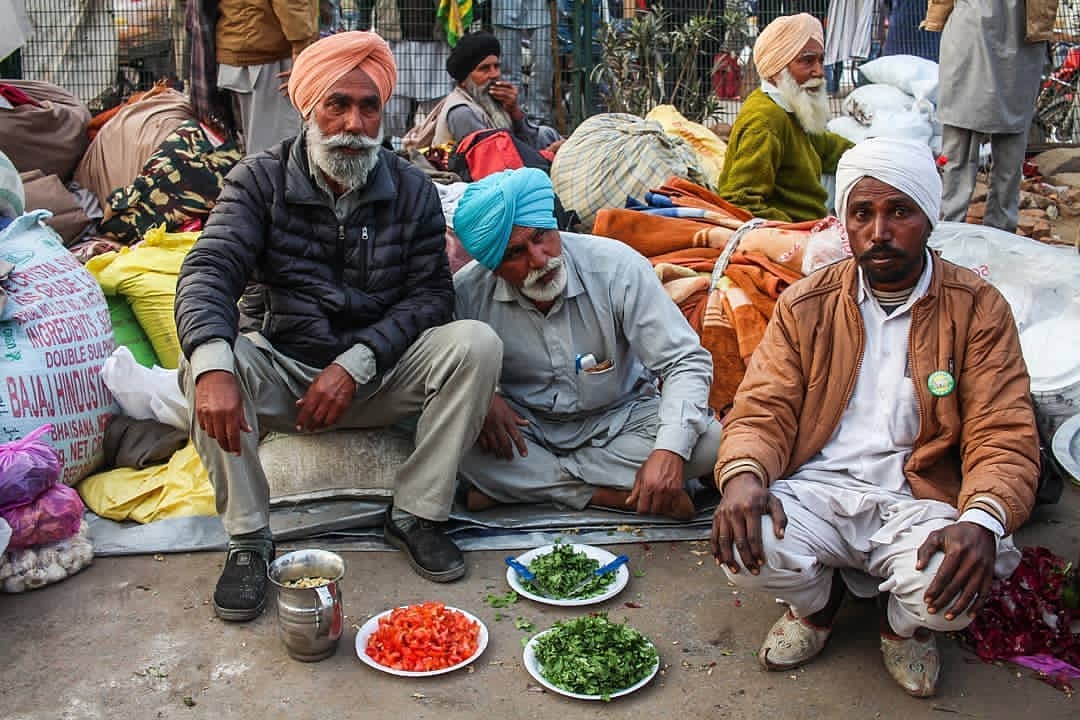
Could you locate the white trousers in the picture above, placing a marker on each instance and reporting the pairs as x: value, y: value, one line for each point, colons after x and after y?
x: 872, y: 537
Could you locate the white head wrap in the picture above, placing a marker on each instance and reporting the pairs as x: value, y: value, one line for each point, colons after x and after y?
x: 907, y: 165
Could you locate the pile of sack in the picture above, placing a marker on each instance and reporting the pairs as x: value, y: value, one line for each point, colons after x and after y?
x: 42, y: 535
x: 900, y: 101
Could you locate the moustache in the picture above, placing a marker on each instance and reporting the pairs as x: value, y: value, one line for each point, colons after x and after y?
x: 812, y: 84
x: 350, y: 141
x: 882, y: 254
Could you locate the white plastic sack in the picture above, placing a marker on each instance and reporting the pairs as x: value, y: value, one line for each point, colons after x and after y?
x: 914, y: 75
x: 5, y: 535
x: 34, y: 567
x: 904, y: 124
x: 55, y: 333
x: 865, y: 101
x: 145, y: 393
x: 1039, y: 281
x: 849, y: 128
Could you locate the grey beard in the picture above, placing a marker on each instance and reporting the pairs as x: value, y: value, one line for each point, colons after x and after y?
x: 811, y: 108
x: 495, y: 111
x: 536, y: 292
x: 348, y: 170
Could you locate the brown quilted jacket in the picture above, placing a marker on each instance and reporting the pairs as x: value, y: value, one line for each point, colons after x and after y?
x: 978, y: 440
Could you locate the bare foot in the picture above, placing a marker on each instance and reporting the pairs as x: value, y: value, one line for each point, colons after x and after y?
x: 616, y: 499
x: 476, y: 501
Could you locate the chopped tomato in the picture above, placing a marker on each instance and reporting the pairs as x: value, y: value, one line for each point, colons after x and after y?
x: 423, y: 637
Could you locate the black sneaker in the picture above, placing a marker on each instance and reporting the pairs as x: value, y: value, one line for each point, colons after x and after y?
x: 431, y: 552
x: 240, y: 594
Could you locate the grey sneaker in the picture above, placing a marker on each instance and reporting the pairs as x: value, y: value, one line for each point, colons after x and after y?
x: 431, y: 552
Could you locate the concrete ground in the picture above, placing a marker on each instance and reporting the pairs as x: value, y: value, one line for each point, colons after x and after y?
x: 136, y: 638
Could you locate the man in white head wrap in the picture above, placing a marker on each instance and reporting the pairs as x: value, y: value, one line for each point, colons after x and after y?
x: 779, y: 148
x: 883, y: 441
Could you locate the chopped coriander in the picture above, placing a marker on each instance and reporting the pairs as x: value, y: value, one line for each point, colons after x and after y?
x: 500, y: 601
x: 591, y: 655
x: 523, y: 624
x: 639, y: 573
x: 559, y: 571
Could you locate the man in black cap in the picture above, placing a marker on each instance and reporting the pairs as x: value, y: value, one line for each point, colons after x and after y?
x: 480, y: 100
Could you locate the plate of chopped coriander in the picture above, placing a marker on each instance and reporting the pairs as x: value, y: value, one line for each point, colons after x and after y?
x: 561, y: 567
x: 591, y: 658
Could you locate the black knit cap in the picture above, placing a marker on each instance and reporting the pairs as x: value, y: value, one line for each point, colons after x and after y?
x: 470, y: 52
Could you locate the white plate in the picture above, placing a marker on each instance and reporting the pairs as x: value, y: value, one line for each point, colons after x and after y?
x: 368, y: 628
x: 622, y: 576
x: 533, y: 666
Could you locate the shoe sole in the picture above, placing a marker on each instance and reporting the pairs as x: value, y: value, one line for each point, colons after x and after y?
x: 233, y: 615
x: 439, y: 577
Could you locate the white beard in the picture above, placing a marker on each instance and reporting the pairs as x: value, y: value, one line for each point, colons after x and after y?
x: 535, y: 291
x: 348, y: 170
x: 479, y: 93
x: 808, y: 101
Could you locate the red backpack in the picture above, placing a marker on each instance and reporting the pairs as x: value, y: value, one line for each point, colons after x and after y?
x: 486, y: 152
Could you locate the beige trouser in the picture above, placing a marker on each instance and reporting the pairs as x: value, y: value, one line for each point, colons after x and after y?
x: 447, y: 376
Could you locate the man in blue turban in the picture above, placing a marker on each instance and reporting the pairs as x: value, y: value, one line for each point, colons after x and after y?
x: 587, y: 332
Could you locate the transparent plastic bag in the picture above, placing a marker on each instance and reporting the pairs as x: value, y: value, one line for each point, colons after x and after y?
x: 54, y: 515
x: 34, y: 567
x: 27, y: 467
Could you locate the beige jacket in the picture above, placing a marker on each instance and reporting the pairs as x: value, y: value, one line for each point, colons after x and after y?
x: 257, y: 32
x: 979, y: 440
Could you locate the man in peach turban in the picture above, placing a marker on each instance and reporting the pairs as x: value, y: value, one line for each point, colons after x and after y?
x: 779, y: 147
x: 338, y: 248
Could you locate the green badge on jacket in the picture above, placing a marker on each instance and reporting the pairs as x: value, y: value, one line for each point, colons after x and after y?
x: 940, y: 383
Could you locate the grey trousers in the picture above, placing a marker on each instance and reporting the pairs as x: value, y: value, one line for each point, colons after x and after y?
x: 568, y: 477
x: 447, y: 376
x: 961, y: 147
x: 266, y: 115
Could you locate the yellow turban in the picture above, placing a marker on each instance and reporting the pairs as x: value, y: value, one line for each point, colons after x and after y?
x: 782, y: 40
x: 323, y: 63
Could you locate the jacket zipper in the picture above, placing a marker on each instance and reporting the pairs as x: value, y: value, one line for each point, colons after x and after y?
x: 339, y: 266
x: 363, y: 256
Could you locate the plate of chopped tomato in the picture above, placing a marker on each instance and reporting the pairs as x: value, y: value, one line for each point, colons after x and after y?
x: 419, y: 640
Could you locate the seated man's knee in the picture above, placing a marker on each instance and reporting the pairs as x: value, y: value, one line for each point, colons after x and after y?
x: 908, y: 607
x: 475, y: 342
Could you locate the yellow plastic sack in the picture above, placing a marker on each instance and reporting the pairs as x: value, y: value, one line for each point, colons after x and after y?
x: 709, y: 148
x: 180, y: 488
x: 146, y: 276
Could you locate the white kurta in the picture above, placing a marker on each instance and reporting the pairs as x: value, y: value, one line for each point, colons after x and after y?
x: 989, y: 75
x: 850, y: 506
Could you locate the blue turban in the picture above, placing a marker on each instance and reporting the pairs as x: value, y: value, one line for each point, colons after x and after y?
x: 491, y: 207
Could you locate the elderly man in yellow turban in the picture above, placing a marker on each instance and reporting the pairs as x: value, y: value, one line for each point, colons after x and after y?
x: 338, y: 249
x: 779, y: 147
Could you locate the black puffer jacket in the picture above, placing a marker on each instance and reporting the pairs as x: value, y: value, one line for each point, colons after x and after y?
x: 316, y: 287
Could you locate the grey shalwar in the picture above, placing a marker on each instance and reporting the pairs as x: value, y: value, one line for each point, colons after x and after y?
x: 591, y: 429
x: 989, y: 80
x: 447, y: 377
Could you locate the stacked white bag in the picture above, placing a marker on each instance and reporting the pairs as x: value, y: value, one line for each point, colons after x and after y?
x: 900, y: 102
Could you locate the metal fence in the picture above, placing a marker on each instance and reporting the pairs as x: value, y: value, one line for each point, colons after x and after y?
x: 102, y: 50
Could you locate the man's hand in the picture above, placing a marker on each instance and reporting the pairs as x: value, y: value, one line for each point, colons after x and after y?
x: 965, y: 573
x: 328, y: 397
x: 658, y: 485
x: 554, y: 147
x: 506, y: 94
x: 737, y: 521
x: 219, y: 409
x: 500, y: 433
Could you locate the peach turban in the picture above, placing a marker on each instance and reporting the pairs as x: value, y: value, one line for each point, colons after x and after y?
x: 326, y: 61
x: 782, y: 40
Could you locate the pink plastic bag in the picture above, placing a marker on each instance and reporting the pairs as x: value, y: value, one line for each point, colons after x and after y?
x: 27, y: 468
x: 55, y: 515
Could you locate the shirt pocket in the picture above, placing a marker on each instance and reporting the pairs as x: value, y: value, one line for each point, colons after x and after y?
x: 598, y: 388
x: 904, y: 421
